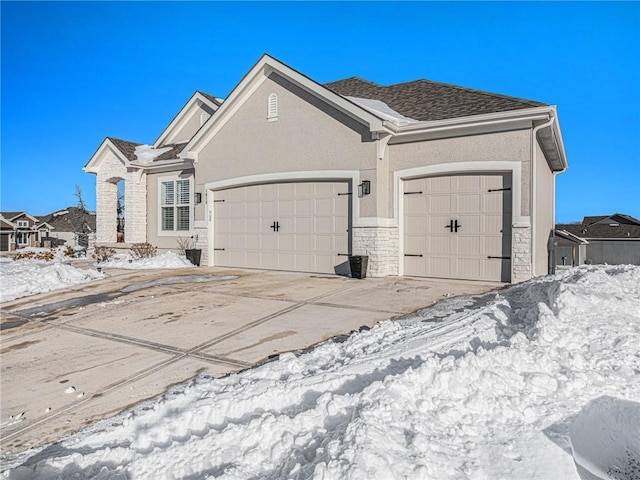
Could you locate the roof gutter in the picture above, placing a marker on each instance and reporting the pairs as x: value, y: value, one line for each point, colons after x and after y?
x: 532, y: 203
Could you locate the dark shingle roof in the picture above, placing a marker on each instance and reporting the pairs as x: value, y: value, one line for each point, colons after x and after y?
x: 10, y: 215
x: 425, y: 100
x: 126, y: 147
x: 173, y: 153
x: 75, y: 220
x: 604, y: 226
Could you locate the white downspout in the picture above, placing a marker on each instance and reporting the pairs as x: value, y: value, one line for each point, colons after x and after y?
x: 532, y: 197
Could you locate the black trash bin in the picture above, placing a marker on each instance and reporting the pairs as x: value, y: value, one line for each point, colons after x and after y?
x: 358, y: 265
x: 193, y: 255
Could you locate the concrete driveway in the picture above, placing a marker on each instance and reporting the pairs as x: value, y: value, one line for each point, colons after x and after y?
x: 72, y: 357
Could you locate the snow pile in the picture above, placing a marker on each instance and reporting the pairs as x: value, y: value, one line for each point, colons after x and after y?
x: 147, y: 154
x: 22, y: 278
x: 482, y: 387
x: 166, y: 260
x: 605, y: 440
x: 382, y: 110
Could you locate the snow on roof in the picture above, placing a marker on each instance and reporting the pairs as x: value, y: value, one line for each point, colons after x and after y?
x: 382, y: 110
x: 147, y: 154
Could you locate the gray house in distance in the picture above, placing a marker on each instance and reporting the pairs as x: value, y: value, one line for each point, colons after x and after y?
x: 425, y: 178
x: 612, y: 239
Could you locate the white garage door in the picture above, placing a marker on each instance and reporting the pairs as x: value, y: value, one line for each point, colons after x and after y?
x: 285, y: 226
x: 458, y: 226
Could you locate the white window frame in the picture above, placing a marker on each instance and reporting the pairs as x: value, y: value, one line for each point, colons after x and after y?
x: 175, y: 232
x: 23, y: 223
x: 22, y: 235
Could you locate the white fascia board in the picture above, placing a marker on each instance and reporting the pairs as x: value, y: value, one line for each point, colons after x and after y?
x: 249, y: 84
x: 163, y: 165
x: 26, y: 214
x: 571, y: 236
x: 93, y: 165
x: 498, y: 118
x: 183, y: 116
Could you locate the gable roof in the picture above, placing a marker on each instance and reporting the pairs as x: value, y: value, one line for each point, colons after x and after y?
x: 197, y: 99
x: 70, y: 219
x: 11, y: 216
x: 6, y: 224
x: 125, y: 147
x: 604, y: 226
x: 426, y: 100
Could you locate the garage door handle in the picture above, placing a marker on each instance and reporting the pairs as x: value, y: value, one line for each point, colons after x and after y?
x: 343, y: 254
x: 412, y: 254
x: 500, y: 258
x: 219, y: 249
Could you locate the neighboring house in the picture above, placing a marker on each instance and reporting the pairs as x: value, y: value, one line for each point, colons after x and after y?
x: 612, y: 239
x: 425, y: 178
x: 19, y: 230
x: 71, y: 226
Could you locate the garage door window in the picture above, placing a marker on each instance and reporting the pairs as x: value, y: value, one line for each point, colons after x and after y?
x: 175, y: 205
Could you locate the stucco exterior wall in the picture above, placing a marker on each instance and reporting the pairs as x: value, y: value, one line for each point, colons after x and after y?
x: 543, y: 212
x: 163, y: 240
x: 509, y: 146
x: 307, y: 136
x: 189, y: 129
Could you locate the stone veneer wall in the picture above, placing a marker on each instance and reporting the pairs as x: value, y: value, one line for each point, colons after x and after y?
x: 381, y: 245
x: 521, y: 253
x: 111, y: 171
x: 135, y: 198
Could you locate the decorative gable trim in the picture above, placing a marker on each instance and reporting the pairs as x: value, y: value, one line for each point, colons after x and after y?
x: 194, y: 106
x: 250, y: 83
x: 93, y: 165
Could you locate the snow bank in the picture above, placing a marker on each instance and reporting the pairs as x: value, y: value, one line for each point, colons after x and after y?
x: 22, y: 278
x: 605, y: 440
x: 482, y: 387
x: 166, y: 260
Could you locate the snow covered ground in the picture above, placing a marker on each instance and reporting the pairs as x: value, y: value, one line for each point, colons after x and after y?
x: 22, y: 278
x: 166, y: 260
x: 498, y: 386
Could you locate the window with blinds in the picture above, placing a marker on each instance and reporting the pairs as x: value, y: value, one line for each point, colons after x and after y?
x: 175, y: 205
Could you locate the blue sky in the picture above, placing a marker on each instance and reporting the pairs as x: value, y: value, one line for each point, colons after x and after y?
x: 75, y: 72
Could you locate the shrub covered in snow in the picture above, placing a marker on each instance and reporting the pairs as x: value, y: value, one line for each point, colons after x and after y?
x: 103, y: 254
x: 143, y: 250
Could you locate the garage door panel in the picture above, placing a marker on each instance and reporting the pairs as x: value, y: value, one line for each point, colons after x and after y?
x: 484, y: 220
x: 311, y: 223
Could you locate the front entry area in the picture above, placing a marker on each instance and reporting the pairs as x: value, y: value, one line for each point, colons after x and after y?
x: 458, y: 226
x: 301, y: 226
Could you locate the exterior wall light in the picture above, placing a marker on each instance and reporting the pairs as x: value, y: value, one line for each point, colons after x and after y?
x: 197, y: 198
x: 364, y: 188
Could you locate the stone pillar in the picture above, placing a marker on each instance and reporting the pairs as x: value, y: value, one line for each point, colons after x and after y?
x: 521, y: 253
x: 381, y: 245
x: 135, y: 207
x: 201, y: 234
